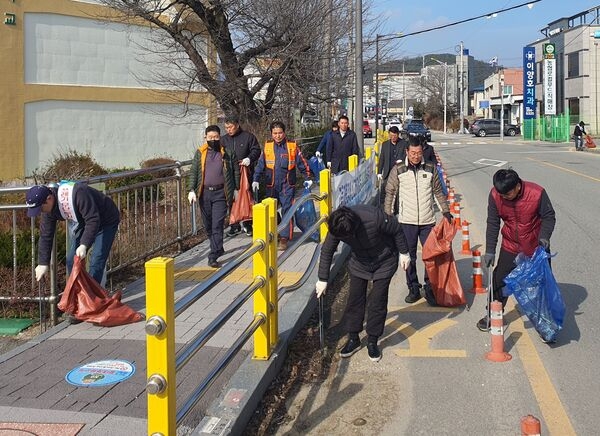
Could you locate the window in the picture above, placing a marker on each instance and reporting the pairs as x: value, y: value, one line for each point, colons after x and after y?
x: 573, y: 64
x: 507, y: 90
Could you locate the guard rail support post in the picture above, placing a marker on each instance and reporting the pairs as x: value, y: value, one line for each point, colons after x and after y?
x: 273, y: 276
x: 352, y: 162
x: 368, y: 151
x: 260, y: 262
x: 325, y: 205
x: 160, y: 346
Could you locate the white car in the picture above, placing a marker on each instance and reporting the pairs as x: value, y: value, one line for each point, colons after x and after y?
x: 394, y: 122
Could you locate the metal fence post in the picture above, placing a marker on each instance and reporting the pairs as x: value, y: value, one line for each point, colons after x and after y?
x: 273, y: 276
x: 179, y: 207
x: 260, y: 262
x: 160, y: 346
x: 325, y: 205
x: 352, y: 162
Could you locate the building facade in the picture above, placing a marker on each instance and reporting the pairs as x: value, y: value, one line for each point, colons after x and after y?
x: 72, y: 79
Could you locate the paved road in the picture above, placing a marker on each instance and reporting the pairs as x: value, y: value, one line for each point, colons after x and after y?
x: 433, y: 378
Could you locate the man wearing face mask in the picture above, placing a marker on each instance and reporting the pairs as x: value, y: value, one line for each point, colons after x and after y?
x: 213, y: 182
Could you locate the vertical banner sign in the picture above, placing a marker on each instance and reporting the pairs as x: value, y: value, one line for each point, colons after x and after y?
x: 549, y: 80
x: 529, y: 104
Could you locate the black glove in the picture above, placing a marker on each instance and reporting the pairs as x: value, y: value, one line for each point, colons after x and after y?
x: 448, y: 216
x: 545, y: 244
x: 489, y: 259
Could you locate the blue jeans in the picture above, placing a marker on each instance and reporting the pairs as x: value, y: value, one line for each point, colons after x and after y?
x: 578, y: 142
x: 99, y: 255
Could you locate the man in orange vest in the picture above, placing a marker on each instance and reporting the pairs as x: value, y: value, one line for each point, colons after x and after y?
x: 278, y: 163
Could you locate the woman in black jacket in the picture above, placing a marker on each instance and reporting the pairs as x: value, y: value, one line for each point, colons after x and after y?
x: 376, y: 239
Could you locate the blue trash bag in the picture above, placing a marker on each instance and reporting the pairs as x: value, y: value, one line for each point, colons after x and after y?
x: 316, y: 165
x: 306, y: 215
x: 441, y: 176
x: 535, y: 288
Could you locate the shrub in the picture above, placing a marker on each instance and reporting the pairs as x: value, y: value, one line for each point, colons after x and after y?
x: 69, y: 165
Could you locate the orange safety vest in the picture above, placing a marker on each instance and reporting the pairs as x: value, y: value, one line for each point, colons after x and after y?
x: 270, y: 155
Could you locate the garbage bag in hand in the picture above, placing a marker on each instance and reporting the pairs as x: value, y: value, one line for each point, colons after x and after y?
x: 87, y: 301
x: 535, y: 289
x: 316, y: 165
x: 241, y: 209
x: 306, y: 216
x: 441, y: 267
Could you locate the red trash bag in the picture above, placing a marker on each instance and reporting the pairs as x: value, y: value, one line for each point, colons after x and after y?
x: 441, y: 268
x: 87, y: 301
x: 589, y: 142
x: 241, y: 209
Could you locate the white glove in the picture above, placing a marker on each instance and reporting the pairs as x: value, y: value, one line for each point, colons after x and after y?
x: 380, y: 177
x: 320, y: 288
x: 328, y: 164
x: 246, y: 161
x: 404, y: 261
x: 318, y: 154
x: 235, y: 195
x: 255, y: 186
x: 40, y: 271
x: 81, y: 251
x: 308, y: 184
x: 192, y: 197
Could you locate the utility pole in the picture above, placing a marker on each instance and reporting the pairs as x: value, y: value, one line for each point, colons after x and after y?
x: 403, y: 93
x: 461, y: 86
x: 501, y: 79
x: 377, y: 108
x: 358, y: 65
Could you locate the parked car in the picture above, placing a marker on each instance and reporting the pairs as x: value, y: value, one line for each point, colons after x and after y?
x: 367, y: 131
x: 394, y: 122
x: 417, y: 127
x: 490, y: 126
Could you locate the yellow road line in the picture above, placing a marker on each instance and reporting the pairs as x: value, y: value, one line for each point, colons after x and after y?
x: 555, y: 416
x: 568, y: 170
x: 240, y: 275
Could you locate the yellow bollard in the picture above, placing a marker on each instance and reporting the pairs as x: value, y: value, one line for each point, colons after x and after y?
x: 160, y: 346
x: 272, y: 278
x: 325, y: 205
x: 368, y: 151
x: 352, y: 162
x: 260, y: 261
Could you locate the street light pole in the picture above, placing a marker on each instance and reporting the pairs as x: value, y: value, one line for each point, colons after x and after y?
x: 359, y: 107
x: 461, y: 86
x: 376, y: 85
x: 501, y: 105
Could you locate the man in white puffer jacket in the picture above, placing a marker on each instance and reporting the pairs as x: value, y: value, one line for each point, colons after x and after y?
x: 416, y: 183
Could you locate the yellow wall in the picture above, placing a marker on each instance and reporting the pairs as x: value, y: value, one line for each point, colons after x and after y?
x: 15, y: 93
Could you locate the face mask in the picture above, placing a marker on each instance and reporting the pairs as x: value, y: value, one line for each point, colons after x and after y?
x: 215, y: 144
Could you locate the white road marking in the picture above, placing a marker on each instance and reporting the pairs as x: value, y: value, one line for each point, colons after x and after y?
x: 491, y: 162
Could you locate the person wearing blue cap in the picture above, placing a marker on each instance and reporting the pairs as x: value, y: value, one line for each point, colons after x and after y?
x: 92, y: 217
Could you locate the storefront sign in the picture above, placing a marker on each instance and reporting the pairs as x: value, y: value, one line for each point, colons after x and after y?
x: 549, y: 80
x: 529, y: 103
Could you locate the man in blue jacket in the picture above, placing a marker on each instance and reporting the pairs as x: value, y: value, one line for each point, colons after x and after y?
x: 323, y: 144
x: 92, y: 218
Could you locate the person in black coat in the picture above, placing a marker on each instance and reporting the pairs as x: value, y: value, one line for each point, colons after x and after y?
x: 340, y: 146
x: 376, y: 239
x: 392, y: 151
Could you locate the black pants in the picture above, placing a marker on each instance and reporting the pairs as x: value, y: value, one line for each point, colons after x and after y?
x: 376, y: 308
x: 413, y: 234
x: 213, y: 207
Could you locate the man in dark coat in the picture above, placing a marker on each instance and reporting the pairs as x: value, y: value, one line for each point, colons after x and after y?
x: 393, y: 150
x: 243, y: 147
x: 340, y: 146
x: 376, y: 239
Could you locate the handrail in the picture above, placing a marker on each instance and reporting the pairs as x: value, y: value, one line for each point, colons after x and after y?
x: 311, y: 266
x: 191, y: 348
x: 194, y: 397
x: 303, y: 237
x: 198, y: 291
x: 285, y: 220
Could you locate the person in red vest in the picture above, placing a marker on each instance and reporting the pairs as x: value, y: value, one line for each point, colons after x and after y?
x: 529, y: 220
x: 278, y: 163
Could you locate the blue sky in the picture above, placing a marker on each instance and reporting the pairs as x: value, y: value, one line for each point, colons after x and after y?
x: 503, y: 36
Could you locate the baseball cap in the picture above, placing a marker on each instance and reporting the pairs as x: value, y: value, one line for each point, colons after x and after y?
x: 35, y: 197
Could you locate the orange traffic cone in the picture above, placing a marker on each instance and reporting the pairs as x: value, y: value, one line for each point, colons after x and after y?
x: 456, y: 214
x: 477, y: 274
x: 466, y: 243
x: 497, y: 354
x: 451, y: 199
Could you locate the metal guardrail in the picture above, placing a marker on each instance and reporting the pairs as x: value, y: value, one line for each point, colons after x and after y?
x: 163, y: 364
x: 154, y: 217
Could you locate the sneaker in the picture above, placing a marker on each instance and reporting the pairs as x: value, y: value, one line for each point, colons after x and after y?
x: 374, y: 352
x: 484, y: 324
x: 414, y: 294
x: 214, y: 263
x: 234, y: 229
x: 247, y: 229
x: 351, y: 347
x: 283, y: 243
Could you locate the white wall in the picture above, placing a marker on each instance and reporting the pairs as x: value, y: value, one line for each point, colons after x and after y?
x: 115, y: 134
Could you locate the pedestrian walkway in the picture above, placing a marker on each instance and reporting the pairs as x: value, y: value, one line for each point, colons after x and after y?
x: 36, y: 397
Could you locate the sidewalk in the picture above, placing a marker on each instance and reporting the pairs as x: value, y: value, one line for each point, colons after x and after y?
x: 35, y: 393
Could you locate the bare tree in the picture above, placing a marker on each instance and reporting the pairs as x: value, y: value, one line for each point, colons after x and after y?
x: 258, y: 58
